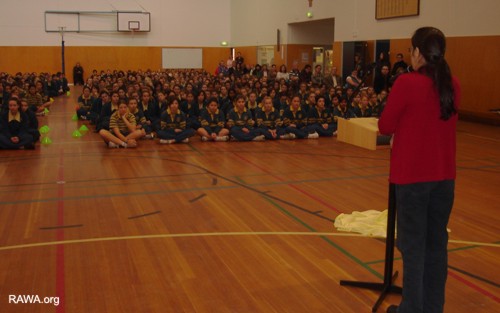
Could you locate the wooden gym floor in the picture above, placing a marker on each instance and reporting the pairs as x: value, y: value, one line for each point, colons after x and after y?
x: 222, y: 227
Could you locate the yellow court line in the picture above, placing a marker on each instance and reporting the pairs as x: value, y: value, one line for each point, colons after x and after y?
x: 218, y: 234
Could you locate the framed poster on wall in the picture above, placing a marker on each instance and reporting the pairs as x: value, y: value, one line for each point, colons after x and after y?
x: 385, y: 9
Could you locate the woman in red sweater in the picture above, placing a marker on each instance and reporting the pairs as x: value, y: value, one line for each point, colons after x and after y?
x: 421, y: 114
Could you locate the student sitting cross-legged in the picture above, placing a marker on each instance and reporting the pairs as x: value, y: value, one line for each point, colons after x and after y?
x: 123, y: 132
x: 240, y: 123
x: 320, y: 119
x: 173, y: 125
x: 269, y: 119
x: 14, y: 128
x: 212, y: 123
x: 295, y: 121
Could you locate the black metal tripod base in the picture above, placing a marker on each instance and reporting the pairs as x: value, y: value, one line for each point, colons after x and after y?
x: 385, y: 288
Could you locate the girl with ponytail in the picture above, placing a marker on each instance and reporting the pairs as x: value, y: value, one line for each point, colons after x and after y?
x: 421, y: 115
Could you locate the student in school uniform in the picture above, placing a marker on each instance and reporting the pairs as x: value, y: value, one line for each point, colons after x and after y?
x: 150, y: 110
x: 240, y: 123
x: 192, y: 111
x: 173, y: 125
x: 252, y: 104
x: 140, y: 120
x: 294, y: 121
x: 269, y: 119
x: 107, y: 110
x: 14, y: 128
x: 95, y: 110
x: 123, y: 132
x: 363, y: 110
x: 309, y: 103
x: 320, y: 120
x: 212, y: 123
x: 32, y: 120
x: 35, y: 101
x: 85, y: 101
x: 342, y: 111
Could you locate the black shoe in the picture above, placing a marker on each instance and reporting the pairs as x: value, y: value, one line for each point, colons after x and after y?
x: 392, y: 309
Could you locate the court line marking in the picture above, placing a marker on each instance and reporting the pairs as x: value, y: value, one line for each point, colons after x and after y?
x: 215, y: 234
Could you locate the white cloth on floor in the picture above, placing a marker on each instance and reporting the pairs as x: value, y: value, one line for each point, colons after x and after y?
x: 369, y: 223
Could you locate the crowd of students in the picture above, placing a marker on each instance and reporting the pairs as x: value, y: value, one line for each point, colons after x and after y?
x: 174, y: 105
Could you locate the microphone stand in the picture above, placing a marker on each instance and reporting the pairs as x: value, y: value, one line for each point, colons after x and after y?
x: 387, y: 286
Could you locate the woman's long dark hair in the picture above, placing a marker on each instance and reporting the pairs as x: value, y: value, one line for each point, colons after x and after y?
x: 432, y: 45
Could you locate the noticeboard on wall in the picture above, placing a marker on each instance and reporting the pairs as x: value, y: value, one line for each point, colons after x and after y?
x: 385, y: 9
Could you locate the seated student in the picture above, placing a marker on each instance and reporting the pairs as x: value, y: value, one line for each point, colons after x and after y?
x: 14, y: 128
x: 281, y: 102
x: 140, y: 120
x: 354, y: 105
x: 35, y: 100
x: 192, y: 112
x: 252, y: 104
x: 64, y: 82
x: 342, y: 111
x: 95, y: 110
x: 41, y: 89
x: 240, y: 123
x: 162, y: 102
x: 32, y: 120
x: 107, y: 110
x: 85, y: 101
x: 212, y: 123
x: 269, y: 119
x: 55, y: 86
x: 150, y: 110
x: 294, y: 121
x: 310, y: 102
x: 225, y: 104
x: 320, y: 120
x: 363, y: 110
x: 375, y: 106
x: 123, y: 132
x: 173, y: 125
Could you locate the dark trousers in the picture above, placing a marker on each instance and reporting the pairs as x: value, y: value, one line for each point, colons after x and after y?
x: 178, y: 137
x: 321, y: 131
x: 423, y: 210
x: 24, y: 140
x: 299, y: 133
x: 238, y: 133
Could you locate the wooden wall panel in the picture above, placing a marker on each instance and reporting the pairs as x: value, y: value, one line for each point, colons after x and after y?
x: 30, y: 59
x: 295, y: 54
x: 103, y: 58
x: 212, y: 57
x: 400, y: 46
x: 48, y: 59
x: 337, y: 56
x: 280, y: 56
x: 249, y: 54
x: 474, y: 60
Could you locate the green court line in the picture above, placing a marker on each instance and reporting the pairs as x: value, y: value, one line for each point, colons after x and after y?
x: 330, y: 242
x: 194, y: 149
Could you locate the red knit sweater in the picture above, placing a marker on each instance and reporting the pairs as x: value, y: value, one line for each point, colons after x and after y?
x: 424, y: 145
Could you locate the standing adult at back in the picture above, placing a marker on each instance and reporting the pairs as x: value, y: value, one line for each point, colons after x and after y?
x: 423, y: 169
x: 78, y: 74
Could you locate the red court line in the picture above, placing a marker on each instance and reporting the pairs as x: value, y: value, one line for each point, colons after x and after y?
x: 474, y: 286
x: 292, y: 186
x: 60, y: 281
